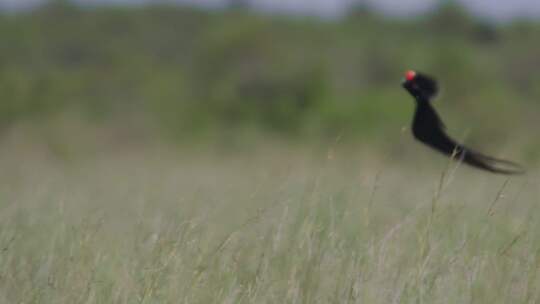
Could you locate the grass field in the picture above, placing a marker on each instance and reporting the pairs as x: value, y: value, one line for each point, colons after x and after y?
x: 163, y: 154
x: 273, y: 225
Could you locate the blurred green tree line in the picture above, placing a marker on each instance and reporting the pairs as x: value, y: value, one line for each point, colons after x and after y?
x: 195, y: 72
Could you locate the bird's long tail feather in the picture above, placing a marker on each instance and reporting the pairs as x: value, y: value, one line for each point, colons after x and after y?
x: 481, y: 161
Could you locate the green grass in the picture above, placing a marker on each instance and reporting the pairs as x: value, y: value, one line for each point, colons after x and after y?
x: 94, y: 208
x: 276, y: 225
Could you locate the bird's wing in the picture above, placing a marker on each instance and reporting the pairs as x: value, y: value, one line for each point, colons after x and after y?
x: 427, y: 85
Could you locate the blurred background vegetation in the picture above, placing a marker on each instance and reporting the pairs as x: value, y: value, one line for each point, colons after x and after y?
x: 165, y: 154
x: 187, y: 75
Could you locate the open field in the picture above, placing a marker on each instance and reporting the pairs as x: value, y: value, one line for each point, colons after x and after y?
x: 165, y: 154
x: 273, y: 225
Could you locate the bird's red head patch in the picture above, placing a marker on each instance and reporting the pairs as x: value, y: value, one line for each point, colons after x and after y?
x: 410, y: 75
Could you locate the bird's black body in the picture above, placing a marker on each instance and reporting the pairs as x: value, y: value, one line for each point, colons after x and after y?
x: 429, y: 129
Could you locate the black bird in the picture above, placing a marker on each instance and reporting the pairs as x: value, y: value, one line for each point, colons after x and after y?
x: 429, y: 129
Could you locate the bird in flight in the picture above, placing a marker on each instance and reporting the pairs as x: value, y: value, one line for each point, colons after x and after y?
x: 429, y: 129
